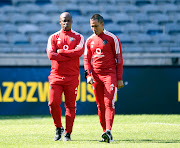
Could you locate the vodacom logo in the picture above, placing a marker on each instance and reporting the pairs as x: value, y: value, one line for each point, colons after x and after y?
x: 98, y: 50
x: 65, y: 47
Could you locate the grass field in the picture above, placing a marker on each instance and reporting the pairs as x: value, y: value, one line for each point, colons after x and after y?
x: 129, y: 131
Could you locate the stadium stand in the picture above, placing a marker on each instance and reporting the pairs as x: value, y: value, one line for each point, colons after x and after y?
x: 140, y: 24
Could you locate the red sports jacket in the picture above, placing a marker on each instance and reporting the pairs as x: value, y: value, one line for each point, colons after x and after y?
x: 106, y: 53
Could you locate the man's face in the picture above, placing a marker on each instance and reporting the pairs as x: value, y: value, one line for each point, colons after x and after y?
x: 96, y: 26
x: 65, y: 22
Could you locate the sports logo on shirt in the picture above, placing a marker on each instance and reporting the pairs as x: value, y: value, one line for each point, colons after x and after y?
x: 92, y: 44
x: 65, y: 47
x: 104, y: 42
x: 71, y: 39
x: 98, y: 50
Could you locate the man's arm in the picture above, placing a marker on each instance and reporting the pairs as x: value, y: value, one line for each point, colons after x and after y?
x: 51, y: 51
x: 87, y: 59
x: 77, y: 52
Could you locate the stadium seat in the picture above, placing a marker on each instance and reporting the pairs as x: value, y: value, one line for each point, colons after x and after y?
x: 130, y: 9
x: 5, y: 2
x: 141, y: 18
x: 109, y: 9
x: 50, y: 28
x: 177, y: 18
x: 18, y: 39
x: 143, y: 39
x: 132, y: 28
x: 162, y: 2
x: 4, y: 19
x: 163, y: 39
x: 30, y: 9
x: 19, y: 19
x: 22, y: 2
x: 107, y: 18
x: 169, y: 9
x: 51, y: 9
x: 151, y: 9
x: 9, y: 29
x: 161, y: 19
x: 88, y: 10
x: 153, y: 29
x: 9, y: 9
x: 177, y: 2
x: 82, y: 20
x: 40, y: 19
x: 121, y: 18
x: 125, y: 38
x: 141, y: 2
x: 39, y: 39
x: 122, y: 2
x: 42, y: 2
x: 86, y: 2
x: 172, y: 29
x: 3, y: 39
x: 114, y: 28
x: 29, y: 29
x: 73, y: 9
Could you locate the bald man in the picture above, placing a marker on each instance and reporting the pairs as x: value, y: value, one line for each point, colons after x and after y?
x: 64, y: 49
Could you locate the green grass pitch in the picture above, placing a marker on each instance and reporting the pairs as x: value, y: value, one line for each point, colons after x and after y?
x: 129, y: 131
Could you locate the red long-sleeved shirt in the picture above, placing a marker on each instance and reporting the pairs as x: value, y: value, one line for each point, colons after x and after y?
x: 71, y: 45
x: 106, y: 53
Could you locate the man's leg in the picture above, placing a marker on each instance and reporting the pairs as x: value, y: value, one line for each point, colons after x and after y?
x: 70, y: 92
x: 99, y: 95
x: 55, y: 92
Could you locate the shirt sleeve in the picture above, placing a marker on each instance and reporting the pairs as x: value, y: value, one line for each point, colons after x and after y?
x: 87, y: 58
x: 77, y: 52
x: 51, y: 51
x: 119, y: 59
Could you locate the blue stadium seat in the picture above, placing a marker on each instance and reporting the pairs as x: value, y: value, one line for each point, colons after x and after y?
x: 177, y: 18
x: 130, y: 9
x: 163, y: 39
x: 109, y: 9
x: 122, y: 2
x: 9, y: 9
x: 9, y: 29
x: 89, y: 10
x: 114, y: 28
x: 162, y: 2
x: 3, y: 39
x: 169, y: 8
x: 50, y: 28
x: 141, y: 18
x: 172, y: 29
x: 107, y: 18
x: 125, y: 38
x: 141, y: 2
x: 121, y: 18
x: 177, y: 2
x: 151, y: 9
x: 18, y: 39
x: 42, y: 2
x: 19, y: 19
x: 51, y: 9
x: 73, y: 9
x: 153, y: 29
x: 39, y: 39
x: 132, y: 28
x: 22, y: 2
x: 4, y: 19
x: 82, y: 20
x: 30, y: 9
x: 40, y: 19
x: 161, y: 19
x: 143, y: 39
x: 5, y: 2
x: 29, y: 29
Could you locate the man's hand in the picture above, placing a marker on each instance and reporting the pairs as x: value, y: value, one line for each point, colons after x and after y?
x: 90, y: 80
x: 60, y: 50
x: 120, y: 84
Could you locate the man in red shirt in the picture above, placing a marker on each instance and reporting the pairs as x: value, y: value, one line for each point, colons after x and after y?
x: 64, y: 49
x: 107, y: 68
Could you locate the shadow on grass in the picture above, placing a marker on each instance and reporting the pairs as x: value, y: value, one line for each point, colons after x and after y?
x: 23, y: 117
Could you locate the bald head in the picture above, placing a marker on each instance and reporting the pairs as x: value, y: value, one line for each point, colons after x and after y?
x: 66, y: 21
